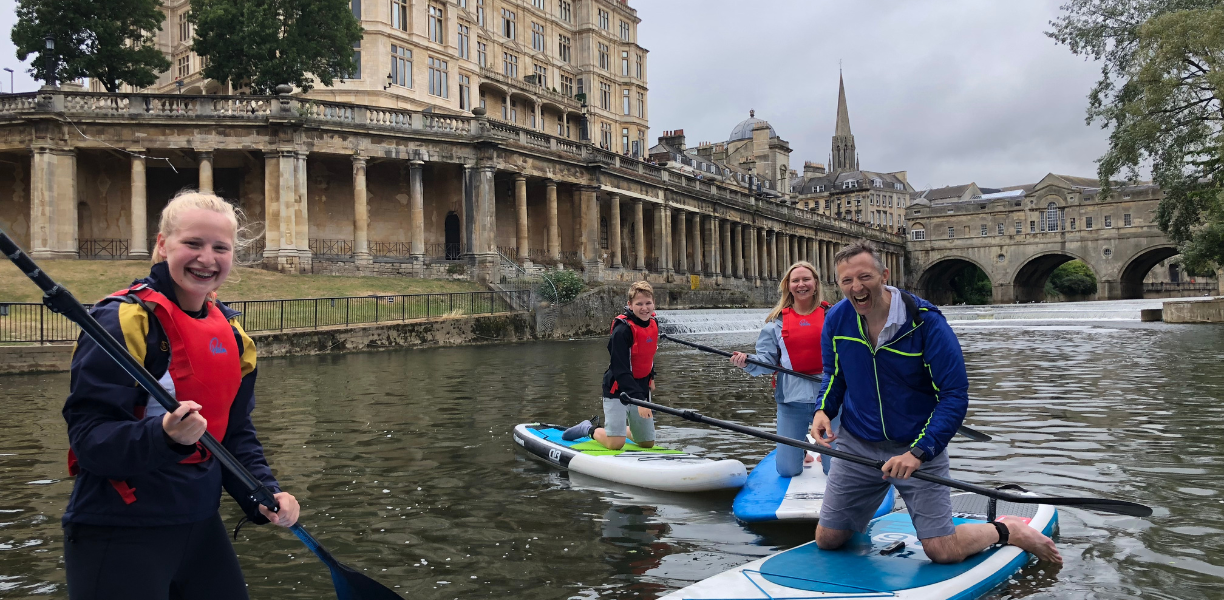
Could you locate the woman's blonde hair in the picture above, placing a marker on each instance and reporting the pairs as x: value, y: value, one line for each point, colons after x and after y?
x: 190, y: 199
x: 786, y: 299
x: 640, y: 287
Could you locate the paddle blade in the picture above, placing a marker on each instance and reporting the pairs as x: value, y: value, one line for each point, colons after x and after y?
x: 351, y: 585
x: 973, y: 434
x: 1117, y: 507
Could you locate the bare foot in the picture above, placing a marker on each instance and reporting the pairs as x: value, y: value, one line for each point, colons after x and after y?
x: 1032, y: 541
x: 807, y: 458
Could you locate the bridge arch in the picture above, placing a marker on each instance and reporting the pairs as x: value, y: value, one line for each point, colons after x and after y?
x: 1028, y: 282
x: 934, y: 281
x: 1135, y: 269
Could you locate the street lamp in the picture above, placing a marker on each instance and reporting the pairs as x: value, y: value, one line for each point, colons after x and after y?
x: 50, y: 53
x: 12, y: 90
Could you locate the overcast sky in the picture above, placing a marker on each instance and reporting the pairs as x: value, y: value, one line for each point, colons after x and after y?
x: 950, y: 90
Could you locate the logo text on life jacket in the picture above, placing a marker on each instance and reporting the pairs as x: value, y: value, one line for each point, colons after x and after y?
x: 804, y: 323
x: 215, y: 346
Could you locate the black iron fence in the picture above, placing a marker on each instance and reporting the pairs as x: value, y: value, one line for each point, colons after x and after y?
x: 102, y: 249
x: 1181, y: 286
x: 31, y: 322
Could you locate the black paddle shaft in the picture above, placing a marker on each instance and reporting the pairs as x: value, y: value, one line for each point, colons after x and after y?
x: 968, y: 432
x: 1121, y: 507
x: 350, y: 584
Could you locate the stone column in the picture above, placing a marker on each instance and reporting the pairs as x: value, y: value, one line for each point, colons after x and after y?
x: 520, y: 212
x: 795, y: 255
x: 204, y: 158
x: 554, y: 229
x: 302, y: 216
x: 832, y: 252
x: 737, y: 247
x: 681, y: 242
x: 667, y: 258
x: 711, y: 237
x: 53, y: 219
x: 361, y: 213
x: 728, y: 263
x: 784, y: 254
x: 698, y: 246
x: 756, y: 237
x: 614, y: 229
x: 590, y: 226
x: 287, y: 257
x: 639, y: 233
x: 416, y: 211
x: 272, y: 208
x: 484, y: 221
x: 811, y: 250
x: 660, y: 238
x: 771, y: 254
x: 139, y: 208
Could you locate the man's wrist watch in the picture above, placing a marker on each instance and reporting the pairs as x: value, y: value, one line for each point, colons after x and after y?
x: 917, y: 452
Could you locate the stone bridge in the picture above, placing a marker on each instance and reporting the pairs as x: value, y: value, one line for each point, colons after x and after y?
x: 1018, y: 237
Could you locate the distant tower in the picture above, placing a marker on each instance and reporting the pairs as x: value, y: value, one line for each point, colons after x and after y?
x: 845, y: 157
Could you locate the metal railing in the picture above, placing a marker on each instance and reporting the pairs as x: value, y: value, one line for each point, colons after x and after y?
x: 390, y: 250
x: 31, y: 322
x: 1181, y: 286
x: 102, y: 249
x: 324, y: 248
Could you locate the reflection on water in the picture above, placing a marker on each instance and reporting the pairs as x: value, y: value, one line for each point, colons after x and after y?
x: 405, y: 467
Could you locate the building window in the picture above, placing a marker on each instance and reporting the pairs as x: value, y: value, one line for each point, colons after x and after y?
x: 537, y: 37
x: 605, y: 96
x: 580, y: 91
x: 183, y: 65
x: 399, y: 14
x: 541, y: 74
x: 641, y: 98
x: 462, y: 3
x: 465, y: 92
x: 951, y: 232
x: 509, y: 65
x: 919, y: 234
x: 480, y: 15
x: 605, y: 135
x: 984, y: 229
x: 624, y: 28
x: 355, y: 72
x: 508, y: 23
x: 625, y: 139
x: 877, y: 183
x: 850, y: 184
x: 560, y: 127
x: 567, y: 85
x: 639, y: 66
x: 625, y: 101
x: 437, y: 77
x: 1108, y: 221
x: 401, y: 66
x: 1032, y: 226
x: 1126, y: 220
x: 1087, y: 222
x: 603, y: 19
x: 1072, y: 223
x: 604, y: 60
x: 184, y: 27
x: 465, y: 35
x: 563, y: 48
x: 640, y: 144
x: 538, y: 4
x: 1000, y: 229
x: 1051, y: 223
x: 437, y: 25
x: 624, y: 63
x: 1017, y: 227
x: 482, y: 54
x: 514, y: 112
x: 484, y: 102
x: 564, y: 9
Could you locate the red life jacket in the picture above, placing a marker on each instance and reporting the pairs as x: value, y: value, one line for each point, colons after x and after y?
x: 801, y: 335
x: 205, y: 366
x: 645, y: 344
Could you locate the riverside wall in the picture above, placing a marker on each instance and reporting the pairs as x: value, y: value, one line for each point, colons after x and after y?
x: 591, y: 313
x: 1210, y: 310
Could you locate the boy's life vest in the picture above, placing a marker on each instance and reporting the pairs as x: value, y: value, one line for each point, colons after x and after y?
x: 801, y: 334
x: 645, y: 345
x: 205, y: 366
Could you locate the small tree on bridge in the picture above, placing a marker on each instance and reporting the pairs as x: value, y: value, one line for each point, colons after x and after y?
x: 1160, y: 92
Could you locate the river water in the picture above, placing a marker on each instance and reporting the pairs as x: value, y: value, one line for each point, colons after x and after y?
x: 405, y: 467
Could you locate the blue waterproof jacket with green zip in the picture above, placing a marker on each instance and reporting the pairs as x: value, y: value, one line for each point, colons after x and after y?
x: 913, y: 389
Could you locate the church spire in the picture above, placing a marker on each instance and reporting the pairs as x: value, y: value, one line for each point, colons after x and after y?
x: 843, y: 115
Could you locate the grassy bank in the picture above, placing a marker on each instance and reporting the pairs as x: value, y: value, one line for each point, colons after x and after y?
x: 90, y: 280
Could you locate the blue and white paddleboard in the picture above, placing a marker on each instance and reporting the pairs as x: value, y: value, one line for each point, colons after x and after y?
x: 860, y: 571
x: 767, y: 496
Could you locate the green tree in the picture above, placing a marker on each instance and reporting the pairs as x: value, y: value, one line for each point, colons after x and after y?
x: 970, y: 286
x: 1074, y: 278
x: 261, y: 44
x: 1161, y: 89
x: 111, y: 41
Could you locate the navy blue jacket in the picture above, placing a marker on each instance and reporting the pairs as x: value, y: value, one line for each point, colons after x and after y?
x: 111, y: 443
x: 913, y: 389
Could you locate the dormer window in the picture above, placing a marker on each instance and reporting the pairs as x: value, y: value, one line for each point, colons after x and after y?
x: 877, y: 183
x: 819, y: 188
x: 898, y: 186
x: 850, y: 184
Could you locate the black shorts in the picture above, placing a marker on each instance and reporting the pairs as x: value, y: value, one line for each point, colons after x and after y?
x: 180, y: 562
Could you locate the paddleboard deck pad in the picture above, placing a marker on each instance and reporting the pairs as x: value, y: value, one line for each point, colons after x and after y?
x: 859, y: 570
x: 768, y: 496
x: 655, y: 468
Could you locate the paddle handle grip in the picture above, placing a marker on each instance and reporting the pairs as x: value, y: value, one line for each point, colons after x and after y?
x: 60, y: 300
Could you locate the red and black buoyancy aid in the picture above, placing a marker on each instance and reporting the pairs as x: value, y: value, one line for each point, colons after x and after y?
x: 645, y: 345
x: 205, y: 366
x: 801, y: 335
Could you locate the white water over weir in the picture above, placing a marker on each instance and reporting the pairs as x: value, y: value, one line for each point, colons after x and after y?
x: 737, y: 320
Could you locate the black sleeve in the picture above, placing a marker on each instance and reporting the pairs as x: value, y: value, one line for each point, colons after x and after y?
x: 621, y: 367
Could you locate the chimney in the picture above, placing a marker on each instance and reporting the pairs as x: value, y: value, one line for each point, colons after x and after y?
x: 812, y: 169
x: 674, y: 139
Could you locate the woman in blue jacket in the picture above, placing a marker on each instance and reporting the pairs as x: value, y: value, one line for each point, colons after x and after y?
x: 791, y: 339
x: 142, y: 522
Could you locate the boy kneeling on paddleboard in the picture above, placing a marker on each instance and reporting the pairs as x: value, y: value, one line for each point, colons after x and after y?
x: 897, y: 377
x: 632, y: 345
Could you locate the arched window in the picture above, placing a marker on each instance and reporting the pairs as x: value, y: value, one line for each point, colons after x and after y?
x: 1051, y: 217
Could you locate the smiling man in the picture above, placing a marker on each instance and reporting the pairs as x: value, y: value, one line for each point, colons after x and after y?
x: 894, y: 371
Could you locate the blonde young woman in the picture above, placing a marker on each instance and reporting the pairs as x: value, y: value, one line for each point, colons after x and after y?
x: 791, y: 339
x: 143, y: 521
